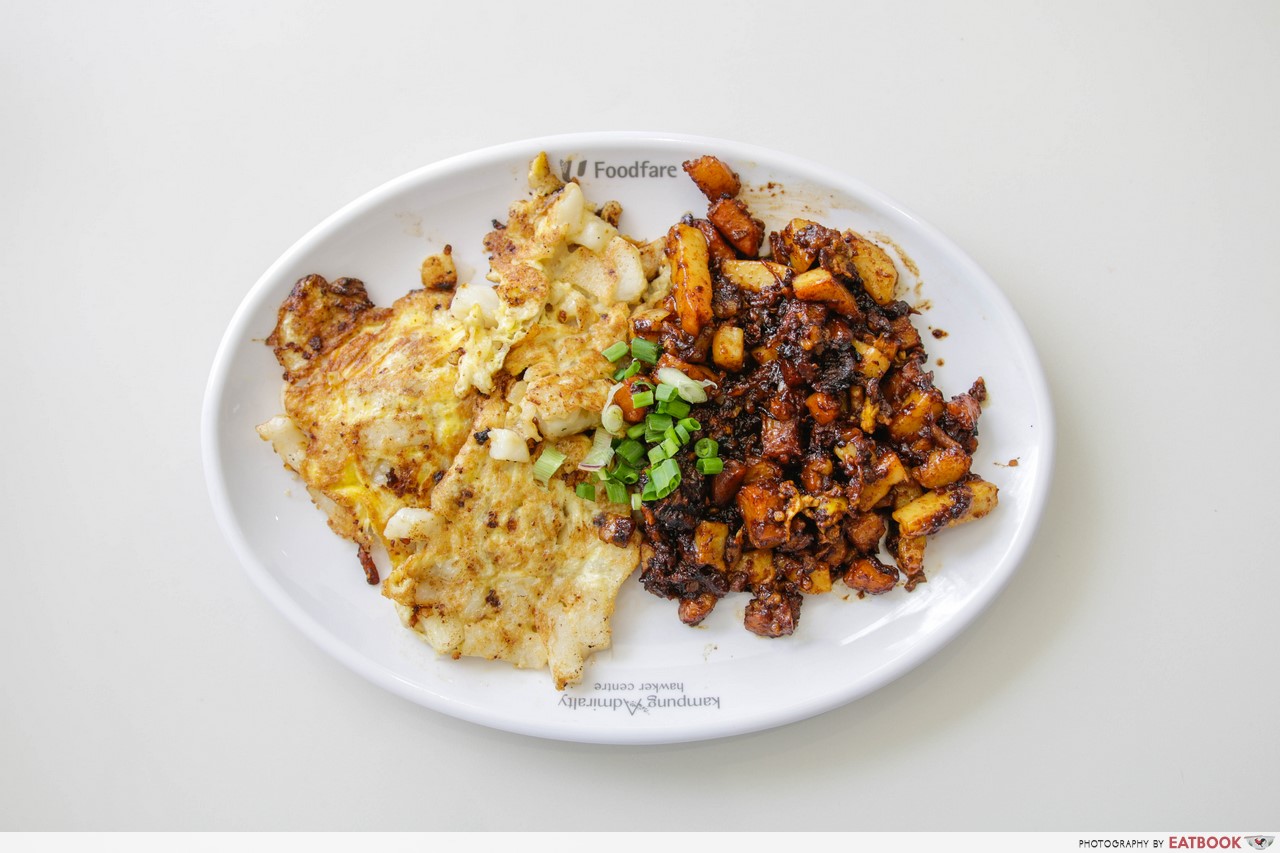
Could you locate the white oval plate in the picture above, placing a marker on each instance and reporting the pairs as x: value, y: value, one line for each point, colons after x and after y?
x: 662, y: 681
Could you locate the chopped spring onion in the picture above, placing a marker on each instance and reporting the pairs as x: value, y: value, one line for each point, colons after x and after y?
x: 690, y: 390
x: 627, y: 372
x: 658, y: 423
x: 631, y: 450
x: 682, y: 434
x: 646, y: 351
x: 649, y: 493
x: 664, y: 392
x: 586, y: 491
x: 657, y: 454
x: 616, y: 351
x: 644, y: 398
x: 547, y: 464
x: 706, y: 447
x: 636, y: 431
x: 625, y: 474
x: 600, y: 454
x: 666, y: 477
x: 691, y: 424
x: 636, y: 501
x: 710, y: 465
x: 675, y: 408
x: 670, y: 446
x: 612, y: 419
x: 616, y: 491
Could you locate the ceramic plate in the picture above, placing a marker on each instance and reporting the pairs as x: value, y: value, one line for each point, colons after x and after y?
x: 661, y: 681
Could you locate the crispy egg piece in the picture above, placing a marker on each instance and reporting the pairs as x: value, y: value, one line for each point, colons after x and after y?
x: 371, y: 420
x: 571, y: 278
x: 540, y: 590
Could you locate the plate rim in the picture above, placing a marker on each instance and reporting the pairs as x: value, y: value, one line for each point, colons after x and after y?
x: 700, y: 729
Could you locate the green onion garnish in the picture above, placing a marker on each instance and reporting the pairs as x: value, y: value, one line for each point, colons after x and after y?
x: 682, y: 434
x: 631, y: 450
x: 658, y: 423
x: 675, y: 408
x: 636, y: 501
x: 690, y: 390
x: 670, y: 446
x: 661, y: 477
x: 706, y: 447
x: 635, y: 431
x: 657, y: 454
x: 666, y: 393
x: 616, y: 491
x: 644, y: 398
x: 645, y: 350
x: 611, y: 419
x: 625, y: 474
x: 586, y: 491
x: 666, y: 477
x: 600, y: 454
x: 616, y: 351
x: 547, y: 464
x: 691, y: 424
x: 649, y: 493
x: 710, y: 465
x: 627, y: 372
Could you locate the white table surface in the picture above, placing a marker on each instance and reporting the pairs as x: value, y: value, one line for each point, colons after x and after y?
x: 1113, y: 166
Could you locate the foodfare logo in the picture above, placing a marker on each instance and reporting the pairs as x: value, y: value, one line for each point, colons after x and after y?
x: 570, y: 169
x: 1261, y: 842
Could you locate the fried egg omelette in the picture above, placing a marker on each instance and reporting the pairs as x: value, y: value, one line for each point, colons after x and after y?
x: 371, y: 420
x: 386, y: 411
x: 540, y: 588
